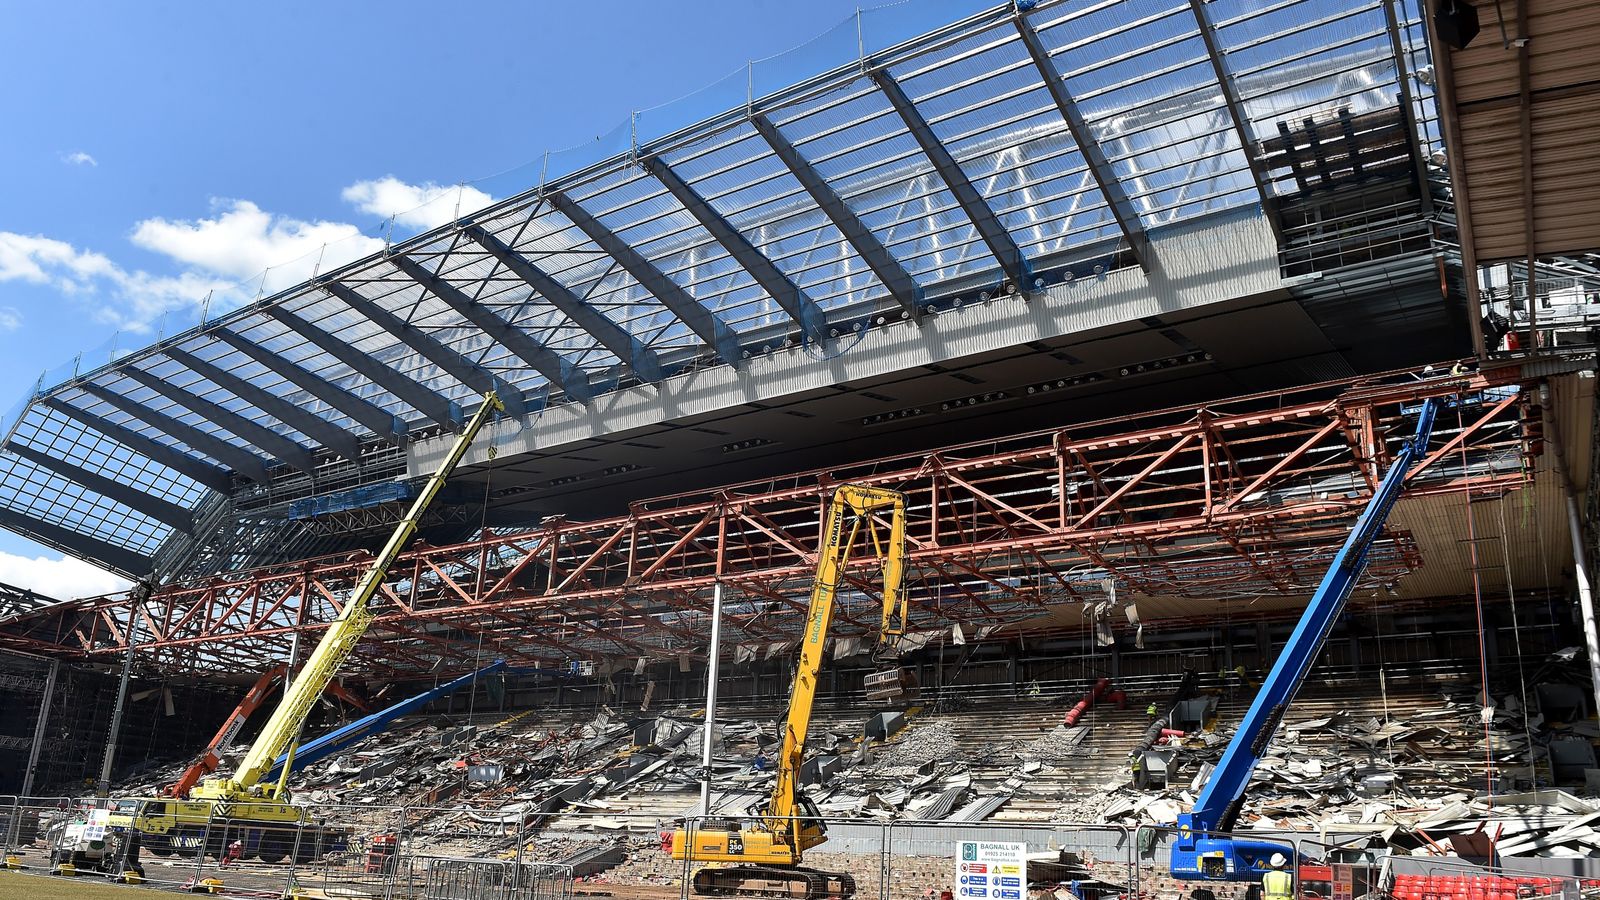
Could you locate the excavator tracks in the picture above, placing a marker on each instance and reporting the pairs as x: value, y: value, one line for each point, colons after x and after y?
x: 767, y: 881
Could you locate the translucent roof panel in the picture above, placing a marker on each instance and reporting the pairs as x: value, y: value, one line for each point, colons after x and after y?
x: 715, y: 217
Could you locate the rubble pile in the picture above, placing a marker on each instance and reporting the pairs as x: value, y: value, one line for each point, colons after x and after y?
x: 580, y: 784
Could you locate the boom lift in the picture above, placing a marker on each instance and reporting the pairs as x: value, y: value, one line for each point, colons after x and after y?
x: 243, y: 802
x: 1200, y: 851
x: 764, y: 858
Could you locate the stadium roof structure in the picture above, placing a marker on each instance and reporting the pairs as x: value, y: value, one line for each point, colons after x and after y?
x: 1011, y: 152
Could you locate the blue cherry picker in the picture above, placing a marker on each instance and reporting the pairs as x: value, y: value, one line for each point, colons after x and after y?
x: 1203, y: 849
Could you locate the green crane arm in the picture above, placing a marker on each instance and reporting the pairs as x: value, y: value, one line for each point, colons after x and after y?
x: 839, y: 538
x: 339, y: 639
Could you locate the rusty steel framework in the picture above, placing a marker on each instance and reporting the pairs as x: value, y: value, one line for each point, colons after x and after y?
x: 1246, y: 497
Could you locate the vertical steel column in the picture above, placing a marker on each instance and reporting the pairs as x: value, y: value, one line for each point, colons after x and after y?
x: 137, y: 596
x: 39, y: 726
x: 710, y: 727
x: 1580, y: 560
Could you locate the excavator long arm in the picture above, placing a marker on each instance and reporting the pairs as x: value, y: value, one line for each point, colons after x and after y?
x: 340, y: 638
x: 851, y: 517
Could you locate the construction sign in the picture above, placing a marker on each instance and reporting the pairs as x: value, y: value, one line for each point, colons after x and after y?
x: 991, y: 870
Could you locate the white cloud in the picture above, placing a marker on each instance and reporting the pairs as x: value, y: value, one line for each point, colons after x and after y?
x: 41, y: 260
x: 78, y: 158
x: 10, y: 319
x: 62, y: 578
x: 132, y: 301
x: 242, y: 241
x: 417, y: 207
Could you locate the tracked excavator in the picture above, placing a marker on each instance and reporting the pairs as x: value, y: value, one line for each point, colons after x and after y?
x: 763, y: 858
x: 243, y: 806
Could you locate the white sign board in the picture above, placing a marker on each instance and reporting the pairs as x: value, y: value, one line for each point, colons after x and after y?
x: 991, y: 870
x: 95, y: 828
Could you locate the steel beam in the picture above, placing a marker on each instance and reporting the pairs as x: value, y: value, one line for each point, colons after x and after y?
x: 462, y: 369
x: 977, y: 210
x: 1241, y: 123
x: 902, y: 287
x: 420, y: 397
x: 378, y: 420
x: 277, y: 446
x: 309, y: 424
x: 164, y: 511
x: 552, y: 365
x: 1105, y: 178
x: 118, y: 559
x: 802, y: 309
x: 612, y: 336
x: 702, y: 321
x: 237, y: 458
x: 198, y: 470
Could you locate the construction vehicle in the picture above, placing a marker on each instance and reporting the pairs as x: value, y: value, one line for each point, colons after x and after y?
x: 243, y: 806
x: 763, y: 858
x: 1203, y: 848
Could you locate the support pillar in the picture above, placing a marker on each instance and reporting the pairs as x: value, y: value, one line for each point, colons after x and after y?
x: 713, y: 657
x: 1580, y: 555
x: 39, y: 727
x: 1263, y: 645
x: 137, y: 597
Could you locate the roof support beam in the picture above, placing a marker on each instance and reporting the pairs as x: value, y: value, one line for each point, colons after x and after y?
x: 240, y: 460
x: 1105, y: 178
x: 1241, y: 123
x: 118, y: 559
x: 556, y: 369
x: 702, y: 321
x: 419, y: 396
x: 802, y: 309
x: 378, y: 420
x: 432, y: 349
x: 197, y: 470
x: 901, y: 285
x: 276, y: 445
x: 612, y: 336
x: 977, y: 210
x: 164, y: 511
x: 309, y: 424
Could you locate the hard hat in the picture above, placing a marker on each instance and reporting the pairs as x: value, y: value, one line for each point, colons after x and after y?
x: 1278, y: 861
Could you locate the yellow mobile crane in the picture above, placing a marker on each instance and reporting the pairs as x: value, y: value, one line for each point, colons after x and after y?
x: 243, y: 807
x: 763, y: 859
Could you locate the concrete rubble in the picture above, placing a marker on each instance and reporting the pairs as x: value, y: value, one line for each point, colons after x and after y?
x: 603, y: 786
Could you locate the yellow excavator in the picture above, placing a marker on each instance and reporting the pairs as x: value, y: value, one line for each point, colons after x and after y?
x: 763, y: 858
x: 242, y: 807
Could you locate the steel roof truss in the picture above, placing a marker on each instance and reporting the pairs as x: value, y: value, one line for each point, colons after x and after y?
x: 977, y: 210
x: 555, y: 368
x: 200, y: 471
x: 240, y: 460
x: 1105, y: 178
x: 422, y: 398
x: 379, y: 421
x: 625, y: 346
x: 276, y: 445
x: 901, y: 285
x: 801, y: 308
x: 164, y: 511
x: 313, y: 426
x: 702, y: 321
x: 1241, y: 123
x: 432, y: 349
x: 118, y: 559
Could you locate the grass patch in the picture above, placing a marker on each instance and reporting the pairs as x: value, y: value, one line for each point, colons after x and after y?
x: 17, y: 886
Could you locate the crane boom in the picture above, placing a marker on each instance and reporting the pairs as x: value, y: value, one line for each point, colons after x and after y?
x: 1197, y: 853
x: 339, y: 640
x: 767, y: 855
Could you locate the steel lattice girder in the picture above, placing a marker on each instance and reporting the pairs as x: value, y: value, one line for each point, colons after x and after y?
x: 1174, y: 503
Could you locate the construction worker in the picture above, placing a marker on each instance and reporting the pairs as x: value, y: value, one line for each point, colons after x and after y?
x: 1277, y: 884
x: 1136, y: 768
x: 1151, y: 710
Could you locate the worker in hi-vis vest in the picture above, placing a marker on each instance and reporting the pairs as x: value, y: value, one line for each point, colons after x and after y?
x: 1277, y: 884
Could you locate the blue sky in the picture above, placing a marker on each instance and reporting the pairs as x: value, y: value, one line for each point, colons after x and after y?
x: 154, y: 153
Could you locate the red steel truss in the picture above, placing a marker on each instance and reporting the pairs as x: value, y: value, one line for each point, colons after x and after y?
x: 1245, y: 497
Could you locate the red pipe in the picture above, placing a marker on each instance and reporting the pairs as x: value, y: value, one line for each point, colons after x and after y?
x: 1171, y: 733
x: 1088, y: 700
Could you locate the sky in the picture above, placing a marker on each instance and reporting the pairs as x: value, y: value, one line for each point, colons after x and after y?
x: 158, y: 158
